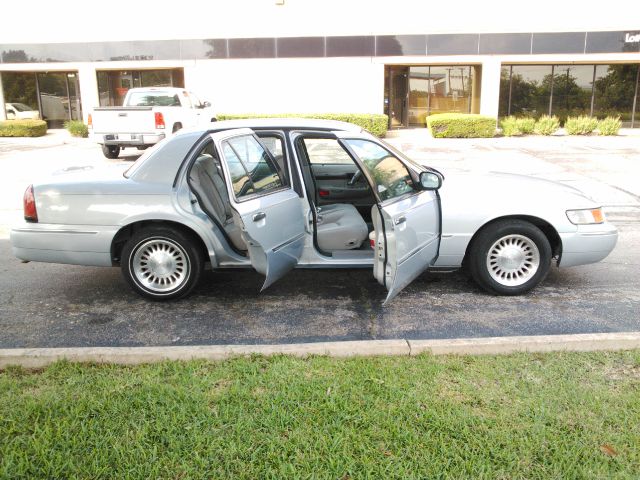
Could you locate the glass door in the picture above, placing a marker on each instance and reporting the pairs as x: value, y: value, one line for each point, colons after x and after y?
x: 398, y: 96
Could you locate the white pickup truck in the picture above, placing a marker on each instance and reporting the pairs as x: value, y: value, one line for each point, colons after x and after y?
x: 147, y: 116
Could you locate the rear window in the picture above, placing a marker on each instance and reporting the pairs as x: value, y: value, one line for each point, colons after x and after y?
x: 153, y: 99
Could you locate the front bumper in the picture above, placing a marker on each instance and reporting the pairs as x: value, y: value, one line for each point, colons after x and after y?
x: 128, y: 139
x: 588, y: 244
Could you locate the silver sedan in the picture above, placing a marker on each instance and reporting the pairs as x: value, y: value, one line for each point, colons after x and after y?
x: 278, y: 194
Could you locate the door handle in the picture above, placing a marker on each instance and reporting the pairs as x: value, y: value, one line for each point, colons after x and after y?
x: 259, y: 216
x: 400, y: 220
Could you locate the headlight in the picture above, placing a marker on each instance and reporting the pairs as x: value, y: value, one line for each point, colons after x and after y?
x: 586, y: 217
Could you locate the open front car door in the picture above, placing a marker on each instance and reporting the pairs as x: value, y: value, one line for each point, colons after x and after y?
x: 406, y: 217
x: 269, y: 212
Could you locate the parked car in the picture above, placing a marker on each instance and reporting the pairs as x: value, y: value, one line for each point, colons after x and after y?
x: 276, y: 194
x: 20, y: 111
x: 148, y: 116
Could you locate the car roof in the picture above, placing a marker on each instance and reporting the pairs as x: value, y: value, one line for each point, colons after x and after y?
x: 276, y: 123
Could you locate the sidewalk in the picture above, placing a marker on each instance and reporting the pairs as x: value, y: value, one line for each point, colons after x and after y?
x: 53, y: 138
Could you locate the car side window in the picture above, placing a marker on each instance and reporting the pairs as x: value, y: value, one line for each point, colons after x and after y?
x: 390, y: 175
x: 251, y: 168
x: 273, y: 143
x: 326, y: 151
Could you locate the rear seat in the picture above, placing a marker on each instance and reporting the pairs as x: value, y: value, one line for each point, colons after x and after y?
x: 207, y: 181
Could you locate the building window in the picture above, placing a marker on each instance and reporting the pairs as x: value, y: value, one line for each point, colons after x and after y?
x: 414, y: 92
x: 571, y: 90
x: 113, y: 85
x: 54, y: 95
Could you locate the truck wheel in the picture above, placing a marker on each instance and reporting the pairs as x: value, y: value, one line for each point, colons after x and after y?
x: 110, y: 151
x: 176, y: 127
x: 509, y: 257
x: 162, y: 263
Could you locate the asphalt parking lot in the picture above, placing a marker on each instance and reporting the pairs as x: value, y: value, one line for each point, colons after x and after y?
x: 44, y: 305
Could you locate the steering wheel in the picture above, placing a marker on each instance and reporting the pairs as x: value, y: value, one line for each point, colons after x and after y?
x: 355, y: 178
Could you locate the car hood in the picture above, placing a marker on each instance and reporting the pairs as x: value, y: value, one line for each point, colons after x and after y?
x: 512, y: 188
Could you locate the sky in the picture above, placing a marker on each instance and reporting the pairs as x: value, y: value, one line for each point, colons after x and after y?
x: 77, y: 21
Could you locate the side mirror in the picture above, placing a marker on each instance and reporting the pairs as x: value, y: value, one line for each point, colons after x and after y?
x: 206, y: 104
x: 430, y: 181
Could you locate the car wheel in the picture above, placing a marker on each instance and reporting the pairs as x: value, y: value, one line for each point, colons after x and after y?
x: 162, y: 263
x: 509, y: 257
x: 110, y: 151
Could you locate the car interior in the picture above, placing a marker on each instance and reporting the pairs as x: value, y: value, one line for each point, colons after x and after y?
x: 341, y: 196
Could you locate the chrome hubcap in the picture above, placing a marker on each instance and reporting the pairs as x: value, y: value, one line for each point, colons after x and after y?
x: 513, y: 260
x: 160, y: 265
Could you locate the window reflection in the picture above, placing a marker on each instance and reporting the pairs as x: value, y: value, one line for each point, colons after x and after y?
x: 113, y: 85
x: 570, y: 90
x: 614, y: 90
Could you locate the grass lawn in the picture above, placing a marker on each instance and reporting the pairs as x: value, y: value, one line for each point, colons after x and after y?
x: 560, y: 415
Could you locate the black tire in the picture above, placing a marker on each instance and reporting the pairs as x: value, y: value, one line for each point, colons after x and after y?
x: 110, y: 151
x: 176, y: 127
x: 515, y: 278
x: 177, y: 252
x: 142, y: 147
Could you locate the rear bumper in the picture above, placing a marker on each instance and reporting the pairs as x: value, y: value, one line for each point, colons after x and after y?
x: 589, y: 244
x: 72, y: 244
x: 128, y: 139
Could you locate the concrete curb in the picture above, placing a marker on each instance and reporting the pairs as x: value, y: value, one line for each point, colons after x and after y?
x: 40, y: 357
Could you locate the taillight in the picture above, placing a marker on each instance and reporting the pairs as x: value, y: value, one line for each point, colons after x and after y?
x: 90, y: 121
x: 30, y: 212
x: 159, y: 120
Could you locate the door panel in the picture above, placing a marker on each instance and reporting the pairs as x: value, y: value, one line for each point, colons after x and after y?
x: 267, y: 210
x: 406, y: 219
x: 410, y: 239
x: 273, y: 229
x: 332, y: 182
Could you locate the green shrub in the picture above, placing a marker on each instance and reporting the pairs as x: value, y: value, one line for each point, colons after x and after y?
x: 461, y: 125
x: 526, y: 125
x: 23, y: 128
x: 77, y: 128
x: 609, y: 126
x: 375, y: 123
x: 547, y: 125
x: 510, y: 127
x: 582, y: 125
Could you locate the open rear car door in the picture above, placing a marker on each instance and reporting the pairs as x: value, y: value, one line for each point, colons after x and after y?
x: 268, y: 210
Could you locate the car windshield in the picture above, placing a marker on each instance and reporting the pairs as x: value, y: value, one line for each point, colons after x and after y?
x: 21, y: 107
x: 153, y: 99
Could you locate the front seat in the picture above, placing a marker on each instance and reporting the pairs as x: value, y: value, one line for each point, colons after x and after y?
x: 340, y: 227
x: 207, y: 182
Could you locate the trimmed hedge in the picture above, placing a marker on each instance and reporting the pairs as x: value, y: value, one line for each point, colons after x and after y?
x: 77, y: 128
x: 23, y: 128
x: 375, y: 123
x: 461, y: 125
